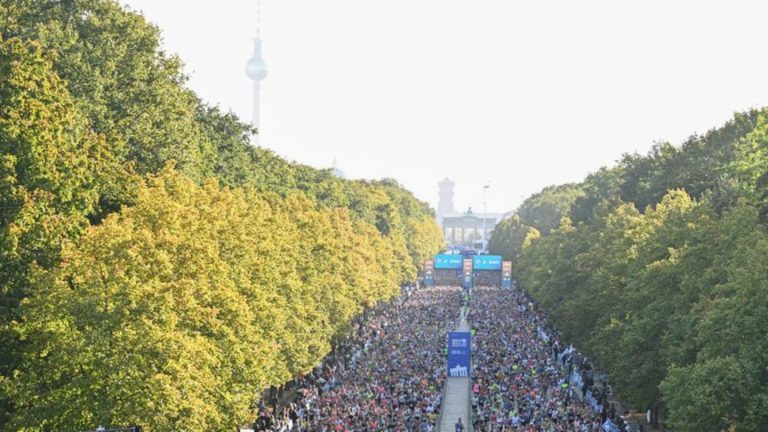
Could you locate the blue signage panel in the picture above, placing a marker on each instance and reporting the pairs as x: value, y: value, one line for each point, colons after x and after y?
x: 487, y: 262
x: 429, y: 276
x: 459, y: 354
x: 445, y: 261
x: 467, y: 281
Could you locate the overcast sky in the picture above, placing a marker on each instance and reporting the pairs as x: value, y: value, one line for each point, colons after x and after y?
x: 522, y: 94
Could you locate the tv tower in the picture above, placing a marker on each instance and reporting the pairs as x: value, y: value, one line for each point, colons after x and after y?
x: 256, y: 70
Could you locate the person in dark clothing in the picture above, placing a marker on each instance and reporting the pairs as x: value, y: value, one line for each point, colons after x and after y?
x: 459, y: 426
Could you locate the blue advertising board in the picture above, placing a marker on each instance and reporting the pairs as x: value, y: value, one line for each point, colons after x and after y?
x: 459, y: 354
x: 445, y: 261
x: 487, y: 262
x: 467, y: 281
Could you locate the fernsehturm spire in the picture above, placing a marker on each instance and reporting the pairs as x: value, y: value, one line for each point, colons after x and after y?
x: 256, y: 70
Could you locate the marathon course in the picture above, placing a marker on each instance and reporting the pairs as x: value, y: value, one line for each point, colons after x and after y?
x: 390, y: 373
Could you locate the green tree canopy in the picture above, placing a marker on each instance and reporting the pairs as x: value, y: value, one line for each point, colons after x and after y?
x: 656, y: 271
x: 186, y: 289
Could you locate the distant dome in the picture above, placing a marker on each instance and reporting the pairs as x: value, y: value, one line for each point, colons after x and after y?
x: 256, y: 68
x: 336, y: 171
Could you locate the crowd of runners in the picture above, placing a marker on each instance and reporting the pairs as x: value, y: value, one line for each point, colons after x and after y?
x: 524, y: 378
x: 388, y: 375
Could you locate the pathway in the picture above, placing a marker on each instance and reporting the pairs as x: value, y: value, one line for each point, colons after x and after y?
x: 456, y: 400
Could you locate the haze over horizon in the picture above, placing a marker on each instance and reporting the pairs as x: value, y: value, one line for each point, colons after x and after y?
x: 520, y: 95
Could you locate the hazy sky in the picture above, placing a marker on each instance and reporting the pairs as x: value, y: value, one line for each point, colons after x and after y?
x: 522, y: 94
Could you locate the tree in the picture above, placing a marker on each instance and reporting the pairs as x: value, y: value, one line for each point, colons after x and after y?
x: 50, y: 177
x: 510, y: 237
x: 545, y: 209
x: 751, y: 166
x: 725, y: 385
x: 155, y: 317
x: 667, y: 299
x: 175, y: 312
x: 128, y: 88
x: 152, y: 294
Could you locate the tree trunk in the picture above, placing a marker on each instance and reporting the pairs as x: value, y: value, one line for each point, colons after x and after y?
x: 655, y: 410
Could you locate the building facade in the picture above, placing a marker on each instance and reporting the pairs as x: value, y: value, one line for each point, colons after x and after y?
x: 466, y: 230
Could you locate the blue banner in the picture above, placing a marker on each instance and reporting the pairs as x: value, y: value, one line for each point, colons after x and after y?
x: 506, y: 280
x: 467, y: 281
x: 459, y: 354
x: 487, y: 262
x: 445, y: 261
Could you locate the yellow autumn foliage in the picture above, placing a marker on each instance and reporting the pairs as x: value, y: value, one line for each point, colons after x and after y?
x: 177, y: 311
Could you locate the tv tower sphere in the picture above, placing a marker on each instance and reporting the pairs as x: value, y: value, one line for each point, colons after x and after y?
x: 256, y: 69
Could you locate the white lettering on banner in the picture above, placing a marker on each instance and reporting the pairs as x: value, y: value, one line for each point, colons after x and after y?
x: 459, y: 343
